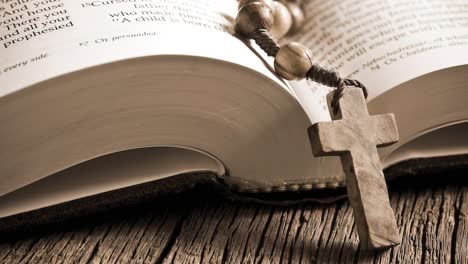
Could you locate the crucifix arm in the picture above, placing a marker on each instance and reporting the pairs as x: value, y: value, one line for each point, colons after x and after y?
x: 326, y: 139
x: 386, y: 131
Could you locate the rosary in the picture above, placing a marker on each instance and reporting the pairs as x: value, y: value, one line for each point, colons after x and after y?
x: 353, y: 134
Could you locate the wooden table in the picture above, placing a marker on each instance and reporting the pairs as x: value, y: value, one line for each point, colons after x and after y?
x: 201, y: 226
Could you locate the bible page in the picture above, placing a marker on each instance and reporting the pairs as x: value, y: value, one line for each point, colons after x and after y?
x: 42, y: 39
x: 381, y: 43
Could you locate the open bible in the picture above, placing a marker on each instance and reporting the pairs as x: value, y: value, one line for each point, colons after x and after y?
x: 99, y: 95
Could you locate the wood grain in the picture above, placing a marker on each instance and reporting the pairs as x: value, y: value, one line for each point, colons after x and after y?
x: 354, y: 136
x: 202, y: 227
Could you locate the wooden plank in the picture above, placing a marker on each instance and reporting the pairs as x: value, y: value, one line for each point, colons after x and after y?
x: 247, y: 238
x: 5, y: 249
x: 201, y: 227
x: 19, y: 250
x: 440, y: 226
x: 461, y: 228
x: 75, y: 245
x: 144, y: 240
x: 199, y: 240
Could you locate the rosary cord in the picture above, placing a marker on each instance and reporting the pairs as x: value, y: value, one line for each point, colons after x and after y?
x: 266, y: 42
x: 332, y: 78
x: 230, y: 195
x: 357, y: 84
x: 316, y: 73
x: 255, y: 21
x: 329, y: 78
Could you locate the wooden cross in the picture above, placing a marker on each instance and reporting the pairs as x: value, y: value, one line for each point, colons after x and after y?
x: 355, y: 136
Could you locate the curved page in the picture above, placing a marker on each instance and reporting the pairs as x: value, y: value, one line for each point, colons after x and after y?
x: 43, y: 39
x: 389, y: 44
x: 381, y: 43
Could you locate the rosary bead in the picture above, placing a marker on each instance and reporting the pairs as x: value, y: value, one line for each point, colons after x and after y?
x: 292, y: 62
x: 282, y: 20
x: 269, y: 3
x: 297, y: 14
x: 253, y: 16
